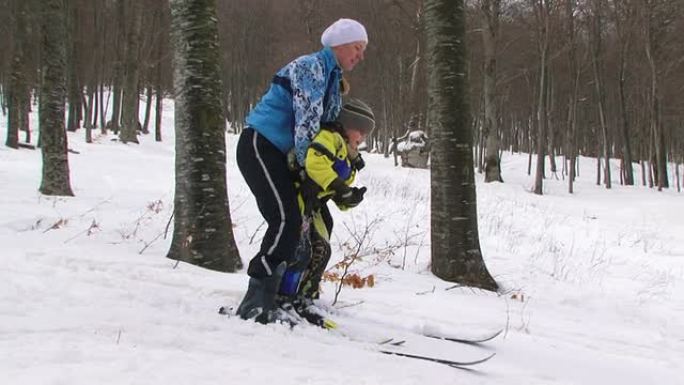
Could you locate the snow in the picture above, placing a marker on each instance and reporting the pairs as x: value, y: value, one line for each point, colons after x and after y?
x: 415, y: 139
x: 593, y: 283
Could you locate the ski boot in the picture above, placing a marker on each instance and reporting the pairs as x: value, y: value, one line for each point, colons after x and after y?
x: 259, y: 302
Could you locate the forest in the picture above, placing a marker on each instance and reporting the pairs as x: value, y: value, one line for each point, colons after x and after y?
x: 597, y: 78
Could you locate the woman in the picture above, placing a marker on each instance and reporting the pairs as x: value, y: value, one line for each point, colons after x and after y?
x: 304, y: 93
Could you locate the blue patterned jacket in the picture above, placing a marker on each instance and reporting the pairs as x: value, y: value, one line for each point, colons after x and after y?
x: 302, y: 94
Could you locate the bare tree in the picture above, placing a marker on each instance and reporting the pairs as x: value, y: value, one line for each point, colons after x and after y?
x: 18, y: 89
x: 203, y: 233
x: 544, y: 101
x: 117, y: 47
x: 573, y: 95
x: 541, y: 12
x: 623, y: 12
x: 55, y: 179
x: 657, y: 16
x: 456, y: 254
x: 129, y: 130
x: 491, y: 10
x: 596, y: 28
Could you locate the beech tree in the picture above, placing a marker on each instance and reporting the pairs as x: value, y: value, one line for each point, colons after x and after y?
x: 456, y: 254
x: 203, y: 232
x: 54, y: 150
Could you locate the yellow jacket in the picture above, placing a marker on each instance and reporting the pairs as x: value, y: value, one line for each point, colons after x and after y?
x: 327, y: 159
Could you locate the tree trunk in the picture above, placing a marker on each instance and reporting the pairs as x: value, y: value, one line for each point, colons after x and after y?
x: 55, y: 179
x: 550, y: 129
x: 658, y: 138
x: 203, y: 233
x: 101, y: 83
x: 96, y: 107
x: 542, y: 121
x: 74, y: 89
x: 596, y: 61
x: 628, y: 170
x: 158, y: 113
x: 115, y: 122
x: 651, y: 159
x: 148, y: 110
x: 575, y: 72
x: 74, y: 96
x: 3, y: 96
x: 643, y: 172
x: 159, y: 93
x: 25, y: 112
x: 661, y: 151
x: 456, y: 254
x: 491, y: 10
x: 103, y: 110
x: 130, y: 121
x: 598, y: 166
x: 679, y: 183
x: 92, y: 97
x: 18, y: 89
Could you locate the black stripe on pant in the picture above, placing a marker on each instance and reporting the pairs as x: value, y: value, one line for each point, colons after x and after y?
x: 264, y: 168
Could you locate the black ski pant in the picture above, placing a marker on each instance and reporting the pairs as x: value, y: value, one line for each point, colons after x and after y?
x: 265, y: 170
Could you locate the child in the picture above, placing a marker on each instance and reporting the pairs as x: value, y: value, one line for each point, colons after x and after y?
x: 330, y: 167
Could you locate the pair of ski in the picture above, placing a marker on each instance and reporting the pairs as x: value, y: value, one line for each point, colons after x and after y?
x: 387, y: 344
x: 458, y: 364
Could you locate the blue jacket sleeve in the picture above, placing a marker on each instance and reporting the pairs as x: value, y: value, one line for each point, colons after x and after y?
x: 308, y: 90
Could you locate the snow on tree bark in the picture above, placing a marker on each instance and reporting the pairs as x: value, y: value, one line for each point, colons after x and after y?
x: 203, y: 232
x: 55, y: 180
x: 456, y: 254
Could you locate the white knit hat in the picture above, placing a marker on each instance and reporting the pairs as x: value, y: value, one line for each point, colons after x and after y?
x: 343, y: 31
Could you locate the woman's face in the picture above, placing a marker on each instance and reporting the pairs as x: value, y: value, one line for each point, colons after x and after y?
x: 349, y: 55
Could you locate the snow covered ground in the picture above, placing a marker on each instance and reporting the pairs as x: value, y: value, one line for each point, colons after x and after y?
x: 593, y: 282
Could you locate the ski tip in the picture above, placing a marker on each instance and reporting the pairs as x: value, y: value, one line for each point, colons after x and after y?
x: 329, y: 324
x: 454, y: 364
x: 469, y: 341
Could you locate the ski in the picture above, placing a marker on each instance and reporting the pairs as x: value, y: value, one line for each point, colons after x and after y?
x: 451, y: 363
x: 468, y: 341
x: 329, y: 324
x: 393, y: 342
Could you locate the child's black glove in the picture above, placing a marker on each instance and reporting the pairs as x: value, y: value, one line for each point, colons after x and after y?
x: 358, y: 163
x: 346, y: 196
x: 353, y: 199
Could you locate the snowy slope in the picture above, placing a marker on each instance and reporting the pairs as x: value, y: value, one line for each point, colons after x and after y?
x: 593, y: 282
